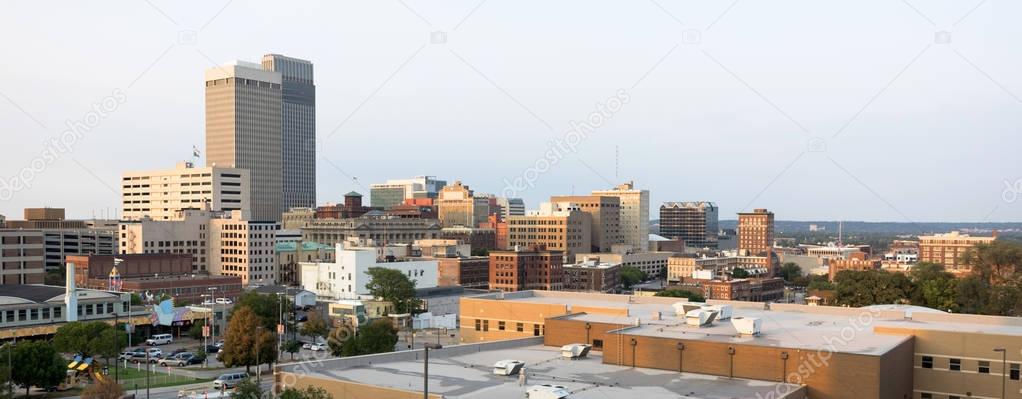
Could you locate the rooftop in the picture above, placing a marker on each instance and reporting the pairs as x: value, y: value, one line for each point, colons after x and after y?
x: 783, y: 325
x: 468, y: 374
x: 27, y: 294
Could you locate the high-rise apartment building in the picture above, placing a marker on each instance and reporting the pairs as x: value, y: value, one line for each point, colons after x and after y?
x: 695, y: 223
x: 756, y: 232
x: 533, y: 268
x: 395, y: 192
x: 162, y: 194
x: 243, y: 130
x: 458, y: 206
x: 605, y: 213
x: 634, y: 210
x: 298, y: 129
x: 947, y: 249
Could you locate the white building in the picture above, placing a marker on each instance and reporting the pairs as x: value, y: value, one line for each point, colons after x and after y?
x: 634, y: 219
x: 160, y: 194
x: 346, y: 277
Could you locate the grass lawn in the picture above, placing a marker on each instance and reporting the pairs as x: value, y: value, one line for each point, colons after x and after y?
x: 131, y: 376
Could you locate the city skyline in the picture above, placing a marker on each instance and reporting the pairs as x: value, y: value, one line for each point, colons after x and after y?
x: 713, y: 103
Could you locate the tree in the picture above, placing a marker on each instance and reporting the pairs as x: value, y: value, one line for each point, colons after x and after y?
x: 315, y: 326
x: 630, y: 276
x: 790, y: 271
x: 247, y: 343
x: 44, y: 366
x: 310, y: 392
x: 692, y: 296
x: 267, y: 307
x: 995, y: 284
x: 136, y: 299
x: 393, y: 286
x: 292, y: 347
x: 380, y: 336
x: 93, y: 338
x: 739, y: 273
x: 106, y: 389
x: 248, y: 389
x: 871, y: 287
x: 933, y: 287
x: 195, y: 332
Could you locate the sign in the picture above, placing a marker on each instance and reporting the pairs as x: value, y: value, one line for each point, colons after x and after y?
x: 205, y: 331
x: 280, y: 329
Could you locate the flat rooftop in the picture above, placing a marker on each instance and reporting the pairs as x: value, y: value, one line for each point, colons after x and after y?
x: 783, y: 325
x: 470, y: 376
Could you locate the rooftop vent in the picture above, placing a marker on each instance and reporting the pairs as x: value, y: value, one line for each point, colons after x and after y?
x: 747, y: 325
x: 700, y: 317
x: 723, y: 311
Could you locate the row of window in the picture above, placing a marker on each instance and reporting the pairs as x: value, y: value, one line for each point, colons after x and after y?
x: 982, y: 366
x: 484, y: 325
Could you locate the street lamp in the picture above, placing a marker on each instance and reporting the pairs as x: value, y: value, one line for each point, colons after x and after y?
x: 1004, y: 370
x: 258, y: 337
x: 425, y: 367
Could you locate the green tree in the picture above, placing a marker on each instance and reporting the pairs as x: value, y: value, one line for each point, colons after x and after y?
x: 248, y: 389
x: 933, y: 287
x: 871, y: 287
x: 43, y: 365
x: 692, y: 296
x: 818, y: 282
x: 195, y: 332
x: 92, y: 338
x: 315, y: 326
x: 380, y: 336
x: 995, y: 285
x: 393, y: 286
x: 739, y: 273
x: 247, y: 342
x: 631, y: 276
x: 136, y: 299
x: 310, y: 392
x: 267, y: 307
x: 790, y: 271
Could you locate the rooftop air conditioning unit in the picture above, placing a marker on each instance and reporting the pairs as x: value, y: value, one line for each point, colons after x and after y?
x: 682, y: 308
x: 546, y: 392
x: 508, y: 367
x: 723, y: 311
x: 575, y: 351
x: 700, y: 317
x: 747, y: 325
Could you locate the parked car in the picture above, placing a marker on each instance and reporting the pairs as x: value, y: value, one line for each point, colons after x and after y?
x: 155, y: 353
x: 180, y: 360
x: 177, y: 351
x: 159, y: 339
x: 212, y: 349
x: 219, y: 344
x: 318, y: 347
x: 229, y: 380
x: 302, y: 318
x: 132, y: 353
x: 224, y: 301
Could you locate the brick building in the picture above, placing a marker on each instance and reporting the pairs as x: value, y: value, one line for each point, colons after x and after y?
x: 533, y: 268
x: 467, y: 272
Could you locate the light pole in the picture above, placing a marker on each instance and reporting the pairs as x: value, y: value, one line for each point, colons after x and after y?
x: 1004, y: 370
x: 258, y: 337
x: 117, y: 350
x: 212, y: 306
x: 425, y: 367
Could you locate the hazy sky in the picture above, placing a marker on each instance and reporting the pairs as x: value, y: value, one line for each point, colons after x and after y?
x: 855, y: 110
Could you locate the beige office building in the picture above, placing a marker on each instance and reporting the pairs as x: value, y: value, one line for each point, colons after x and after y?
x: 653, y: 263
x: 947, y: 249
x: 187, y: 232
x: 634, y: 219
x: 243, y: 130
x: 567, y: 231
x: 243, y: 248
x: 458, y: 206
x: 161, y: 194
x: 606, y: 215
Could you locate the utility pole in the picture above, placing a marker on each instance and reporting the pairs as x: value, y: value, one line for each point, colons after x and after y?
x: 117, y: 345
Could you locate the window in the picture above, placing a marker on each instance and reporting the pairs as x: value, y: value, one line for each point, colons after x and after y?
x: 56, y: 312
x: 925, y: 395
x: 927, y: 362
x: 1014, y: 373
x: 984, y: 367
x: 535, y: 330
x: 598, y: 343
x: 520, y: 327
x: 954, y: 397
x: 479, y: 324
x: 500, y: 325
x: 486, y: 325
x: 955, y: 365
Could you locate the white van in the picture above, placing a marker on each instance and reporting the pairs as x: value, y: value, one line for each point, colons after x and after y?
x: 159, y: 339
x: 229, y: 381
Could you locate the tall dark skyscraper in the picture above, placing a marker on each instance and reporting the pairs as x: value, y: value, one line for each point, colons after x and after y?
x: 298, y: 129
x: 694, y: 222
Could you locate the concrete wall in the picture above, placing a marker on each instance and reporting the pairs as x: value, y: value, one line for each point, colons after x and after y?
x: 339, y: 389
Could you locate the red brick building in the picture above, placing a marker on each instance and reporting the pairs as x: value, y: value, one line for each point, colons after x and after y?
x: 468, y: 272
x: 155, y: 274
x: 352, y: 208
x: 534, y: 268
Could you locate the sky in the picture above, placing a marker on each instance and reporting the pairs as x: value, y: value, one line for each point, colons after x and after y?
x: 875, y: 110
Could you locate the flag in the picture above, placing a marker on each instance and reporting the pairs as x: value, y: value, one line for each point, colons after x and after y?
x: 195, y: 151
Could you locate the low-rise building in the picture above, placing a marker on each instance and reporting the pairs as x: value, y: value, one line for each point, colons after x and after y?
x: 682, y: 268
x: 22, y: 257
x: 464, y: 271
x: 592, y: 275
x: 856, y: 263
x: 532, y: 268
x: 346, y: 277
x: 947, y: 249
x: 153, y: 274
x: 654, y: 264
x: 374, y: 226
x: 290, y: 254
